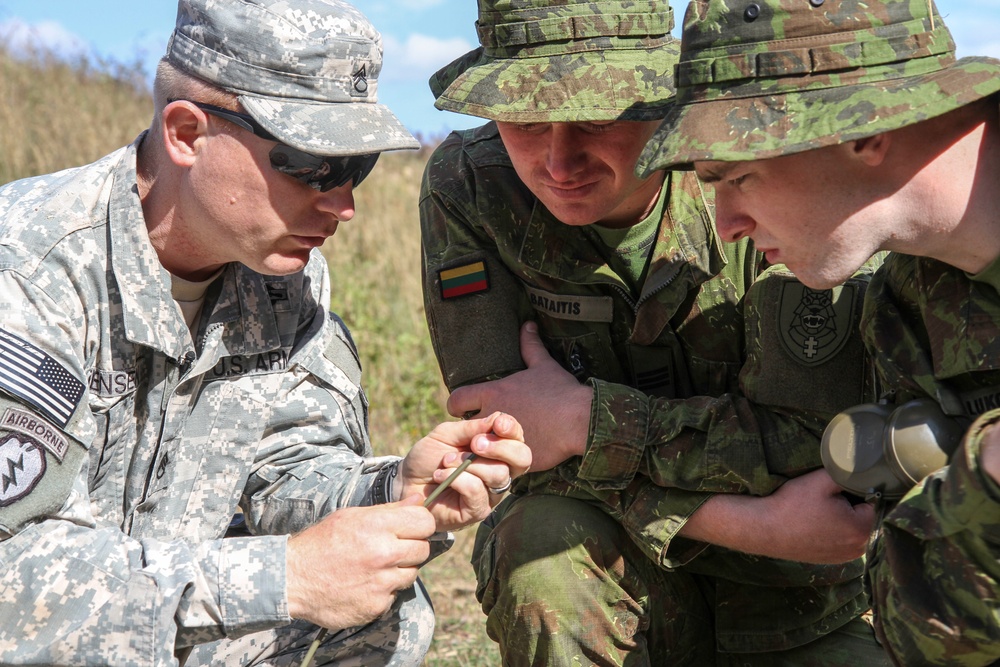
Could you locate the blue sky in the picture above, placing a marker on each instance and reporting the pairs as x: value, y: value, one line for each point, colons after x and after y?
x: 419, y: 37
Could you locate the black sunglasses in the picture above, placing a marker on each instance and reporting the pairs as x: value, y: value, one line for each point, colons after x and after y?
x: 319, y: 172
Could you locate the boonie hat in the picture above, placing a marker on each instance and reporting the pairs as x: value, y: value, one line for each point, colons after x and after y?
x: 763, y: 78
x: 564, y: 60
x: 306, y: 70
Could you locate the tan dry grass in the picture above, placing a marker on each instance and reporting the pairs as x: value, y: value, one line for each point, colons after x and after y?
x: 56, y: 115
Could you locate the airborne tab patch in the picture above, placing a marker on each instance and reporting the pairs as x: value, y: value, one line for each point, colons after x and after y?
x: 37, y: 429
x: 463, y: 280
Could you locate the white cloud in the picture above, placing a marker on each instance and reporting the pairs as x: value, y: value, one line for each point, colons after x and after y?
x: 51, y: 36
x: 419, y: 56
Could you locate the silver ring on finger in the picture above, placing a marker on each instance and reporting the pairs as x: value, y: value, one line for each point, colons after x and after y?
x: 500, y: 490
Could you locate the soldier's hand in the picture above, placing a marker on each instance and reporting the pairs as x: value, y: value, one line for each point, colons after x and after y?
x: 346, y: 569
x: 551, y: 404
x: 806, y: 519
x: 497, y: 441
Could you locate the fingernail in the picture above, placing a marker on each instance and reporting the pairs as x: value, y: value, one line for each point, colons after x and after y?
x: 503, y: 421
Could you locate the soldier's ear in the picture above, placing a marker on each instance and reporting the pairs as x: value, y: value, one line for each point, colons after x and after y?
x: 871, y: 150
x: 183, y: 124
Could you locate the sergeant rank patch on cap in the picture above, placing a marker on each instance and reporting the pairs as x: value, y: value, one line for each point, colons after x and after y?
x: 463, y: 280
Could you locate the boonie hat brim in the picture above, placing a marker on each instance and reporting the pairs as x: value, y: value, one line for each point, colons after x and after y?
x: 765, y: 126
x: 598, y: 85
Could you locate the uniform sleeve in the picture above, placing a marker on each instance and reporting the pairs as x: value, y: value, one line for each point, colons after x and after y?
x: 653, y: 462
x: 474, y: 305
x: 804, y: 362
x: 935, y: 572
x: 73, y: 590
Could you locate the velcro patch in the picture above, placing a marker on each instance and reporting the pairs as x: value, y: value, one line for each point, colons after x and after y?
x: 36, y: 428
x: 572, y: 306
x: 463, y: 280
x: 277, y: 291
x: 30, y: 374
x: 22, y: 466
x: 815, y: 324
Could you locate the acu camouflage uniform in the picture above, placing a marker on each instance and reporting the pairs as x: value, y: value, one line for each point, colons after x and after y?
x: 798, y: 76
x: 670, y: 425
x: 127, y: 442
x: 125, y: 461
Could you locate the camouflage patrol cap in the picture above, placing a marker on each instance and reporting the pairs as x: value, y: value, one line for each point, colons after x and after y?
x: 763, y: 78
x: 564, y: 60
x: 307, y: 70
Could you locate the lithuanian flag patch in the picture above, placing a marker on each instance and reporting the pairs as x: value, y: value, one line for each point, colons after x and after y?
x: 462, y: 280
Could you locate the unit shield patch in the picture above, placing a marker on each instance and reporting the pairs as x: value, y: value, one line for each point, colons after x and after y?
x: 22, y: 466
x: 815, y: 324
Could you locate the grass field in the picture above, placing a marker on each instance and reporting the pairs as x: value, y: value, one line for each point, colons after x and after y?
x: 57, y: 115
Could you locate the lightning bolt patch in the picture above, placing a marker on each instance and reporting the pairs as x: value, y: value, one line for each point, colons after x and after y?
x: 22, y: 466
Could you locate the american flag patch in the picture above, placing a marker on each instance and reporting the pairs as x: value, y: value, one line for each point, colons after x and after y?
x: 34, y: 376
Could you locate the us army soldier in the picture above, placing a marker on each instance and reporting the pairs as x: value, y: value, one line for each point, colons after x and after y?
x: 167, y: 356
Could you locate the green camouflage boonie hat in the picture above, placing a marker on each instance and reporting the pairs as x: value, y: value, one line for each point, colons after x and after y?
x: 763, y: 78
x: 564, y: 60
x: 306, y: 70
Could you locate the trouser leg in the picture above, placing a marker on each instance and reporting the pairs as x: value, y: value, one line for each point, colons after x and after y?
x: 562, y: 584
x: 851, y: 645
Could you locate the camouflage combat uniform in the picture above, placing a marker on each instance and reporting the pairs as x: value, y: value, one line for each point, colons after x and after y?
x: 935, y: 573
x: 127, y: 444
x: 669, y: 427
x: 788, y: 77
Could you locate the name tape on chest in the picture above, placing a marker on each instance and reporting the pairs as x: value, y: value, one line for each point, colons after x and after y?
x: 981, y: 401
x: 110, y: 384
x: 572, y: 306
x: 33, y: 376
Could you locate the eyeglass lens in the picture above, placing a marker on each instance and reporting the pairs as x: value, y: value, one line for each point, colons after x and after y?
x: 319, y: 172
x: 322, y: 172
